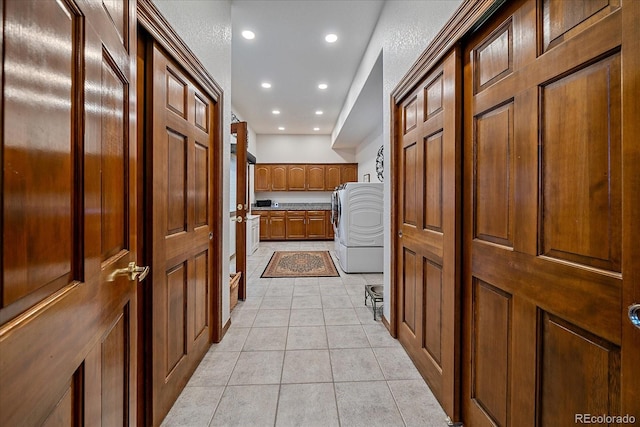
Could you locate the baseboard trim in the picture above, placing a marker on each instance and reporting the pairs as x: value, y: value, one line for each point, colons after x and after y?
x: 386, y: 324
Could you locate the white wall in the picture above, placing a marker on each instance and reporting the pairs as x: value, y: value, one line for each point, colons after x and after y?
x: 251, y: 147
x: 403, y: 32
x: 205, y: 26
x: 366, y: 154
x: 299, y: 149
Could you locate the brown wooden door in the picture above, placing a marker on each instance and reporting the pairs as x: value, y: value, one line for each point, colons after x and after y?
x: 278, y: 177
x: 315, y: 177
x: 316, y: 225
x: 296, y: 178
x: 67, y: 313
x: 428, y: 233
x: 332, y: 177
x: 296, y: 225
x: 552, y: 205
x: 277, y: 225
x: 242, y: 205
x: 182, y: 154
x: 349, y: 173
x: 262, y: 178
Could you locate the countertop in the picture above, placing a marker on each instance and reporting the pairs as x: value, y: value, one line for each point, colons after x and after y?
x: 294, y: 207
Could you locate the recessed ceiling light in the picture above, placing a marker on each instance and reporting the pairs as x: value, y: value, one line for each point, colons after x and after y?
x: 281, y: 128
x: 316, y: 128
x: 275, y: 112
x: 319, y: 113
x: 331, y: 38
x: 266, y: 85
x: 322, y: 86
x: 249, y: 35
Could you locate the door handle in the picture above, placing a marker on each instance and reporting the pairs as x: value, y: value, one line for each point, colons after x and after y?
x: 634, y: 315
x: 133, y: 271
x: 237, y: 219
x: 400, y: 233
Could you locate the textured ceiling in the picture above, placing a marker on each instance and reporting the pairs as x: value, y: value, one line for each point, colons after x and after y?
x: 289, y: 51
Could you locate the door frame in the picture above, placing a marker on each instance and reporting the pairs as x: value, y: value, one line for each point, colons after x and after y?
x: 240, y: 130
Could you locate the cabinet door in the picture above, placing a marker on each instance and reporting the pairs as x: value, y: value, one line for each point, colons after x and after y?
x: 264, y: 226
x: 296, y: 225
x: 296, y: 177
x: 262, y: 177
x: 315, y: 177
x: 316, y: 225
x: 278, y: 178
x: 349, y: 173
x: 331, y: 177
x: 277, y: 225
x: 329, y: 225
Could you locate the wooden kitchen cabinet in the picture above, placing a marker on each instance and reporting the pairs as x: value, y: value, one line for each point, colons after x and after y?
x: 296, y: 177
x: 272, y: 224
x: 330, y: 234
x: 303, y: 177
x: 262, y: 177
x: 349, y: 173
x: 316, y: 225
x: 296, y: 225
x: 278, y: 178
x: 315, y: 177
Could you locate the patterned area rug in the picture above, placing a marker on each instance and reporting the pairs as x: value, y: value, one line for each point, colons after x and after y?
x: 300, y: 264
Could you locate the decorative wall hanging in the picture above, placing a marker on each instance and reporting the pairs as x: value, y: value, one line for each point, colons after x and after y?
x: 380, y: 163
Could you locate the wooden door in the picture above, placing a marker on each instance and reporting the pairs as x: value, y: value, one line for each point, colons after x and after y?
x: 552, y: 195
x: 428, y: 232
x: 332, y: 177
x: 242, y: 204
x: 277, y: 225
x: 316, y: 225
x: 278, y: 177
x: 315, y: 177
x: 262, y: 178
x: 182, y: 154
x: 296, y: 225
x: 68, y: 311
x: 296, y: 178
x: 349, y: 173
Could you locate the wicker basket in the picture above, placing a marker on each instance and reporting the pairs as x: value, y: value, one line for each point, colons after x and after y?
x: 233, y: 290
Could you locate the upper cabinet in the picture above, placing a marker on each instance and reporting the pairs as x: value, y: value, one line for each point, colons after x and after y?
x: 303, y: 177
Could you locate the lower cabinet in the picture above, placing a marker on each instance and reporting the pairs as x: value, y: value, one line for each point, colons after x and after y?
x: 295, y: 225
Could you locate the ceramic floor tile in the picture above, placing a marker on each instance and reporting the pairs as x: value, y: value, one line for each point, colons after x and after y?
x: 336, y: 301
x: 309, y: 405
x: 269, y: 318
x: 243, y: 317
x: 214, y: 369
x: 306, y: 290
x: 416, y: 402
x: 257, y: 367
x: 330, y: 281
x: 194, y: 407
x: 340, y: 316
x: 280, y: 290
x: 306, y: 366
x: 365, y: 314
x: 307, y: 338
x: 379, y: 336
x: 355, y: 290
x: 307, y: 281
x: 396, y: 364
x: 275, y: 303
x: 252, y: 302
x: 367, y: 404
x: 251, y: 405
x: 333, y: 290
x: 349, y: 336
x: 307, y: 302
x: 233, y: 340
x: 355, y: 364
x: 306, y: 317
x: 266, y: 339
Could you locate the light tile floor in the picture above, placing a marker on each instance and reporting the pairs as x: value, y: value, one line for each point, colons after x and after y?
x: 305, y: 352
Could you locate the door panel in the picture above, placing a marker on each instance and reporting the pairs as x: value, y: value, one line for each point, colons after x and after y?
x: 68, y: 311
x: 428, y: 240
x: 242, y: 205
x: 181, y: 244
x: 543, y: 278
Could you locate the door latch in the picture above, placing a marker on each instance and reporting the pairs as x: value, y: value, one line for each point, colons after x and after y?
x: 133, y: 271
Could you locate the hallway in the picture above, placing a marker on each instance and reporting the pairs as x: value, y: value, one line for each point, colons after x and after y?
x: 305, y: 351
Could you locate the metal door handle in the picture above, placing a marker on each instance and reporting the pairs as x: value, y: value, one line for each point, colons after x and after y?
x: 237, y: 219
x: 400, y: 233
x: 634, y: 315
x: 133, y: 271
